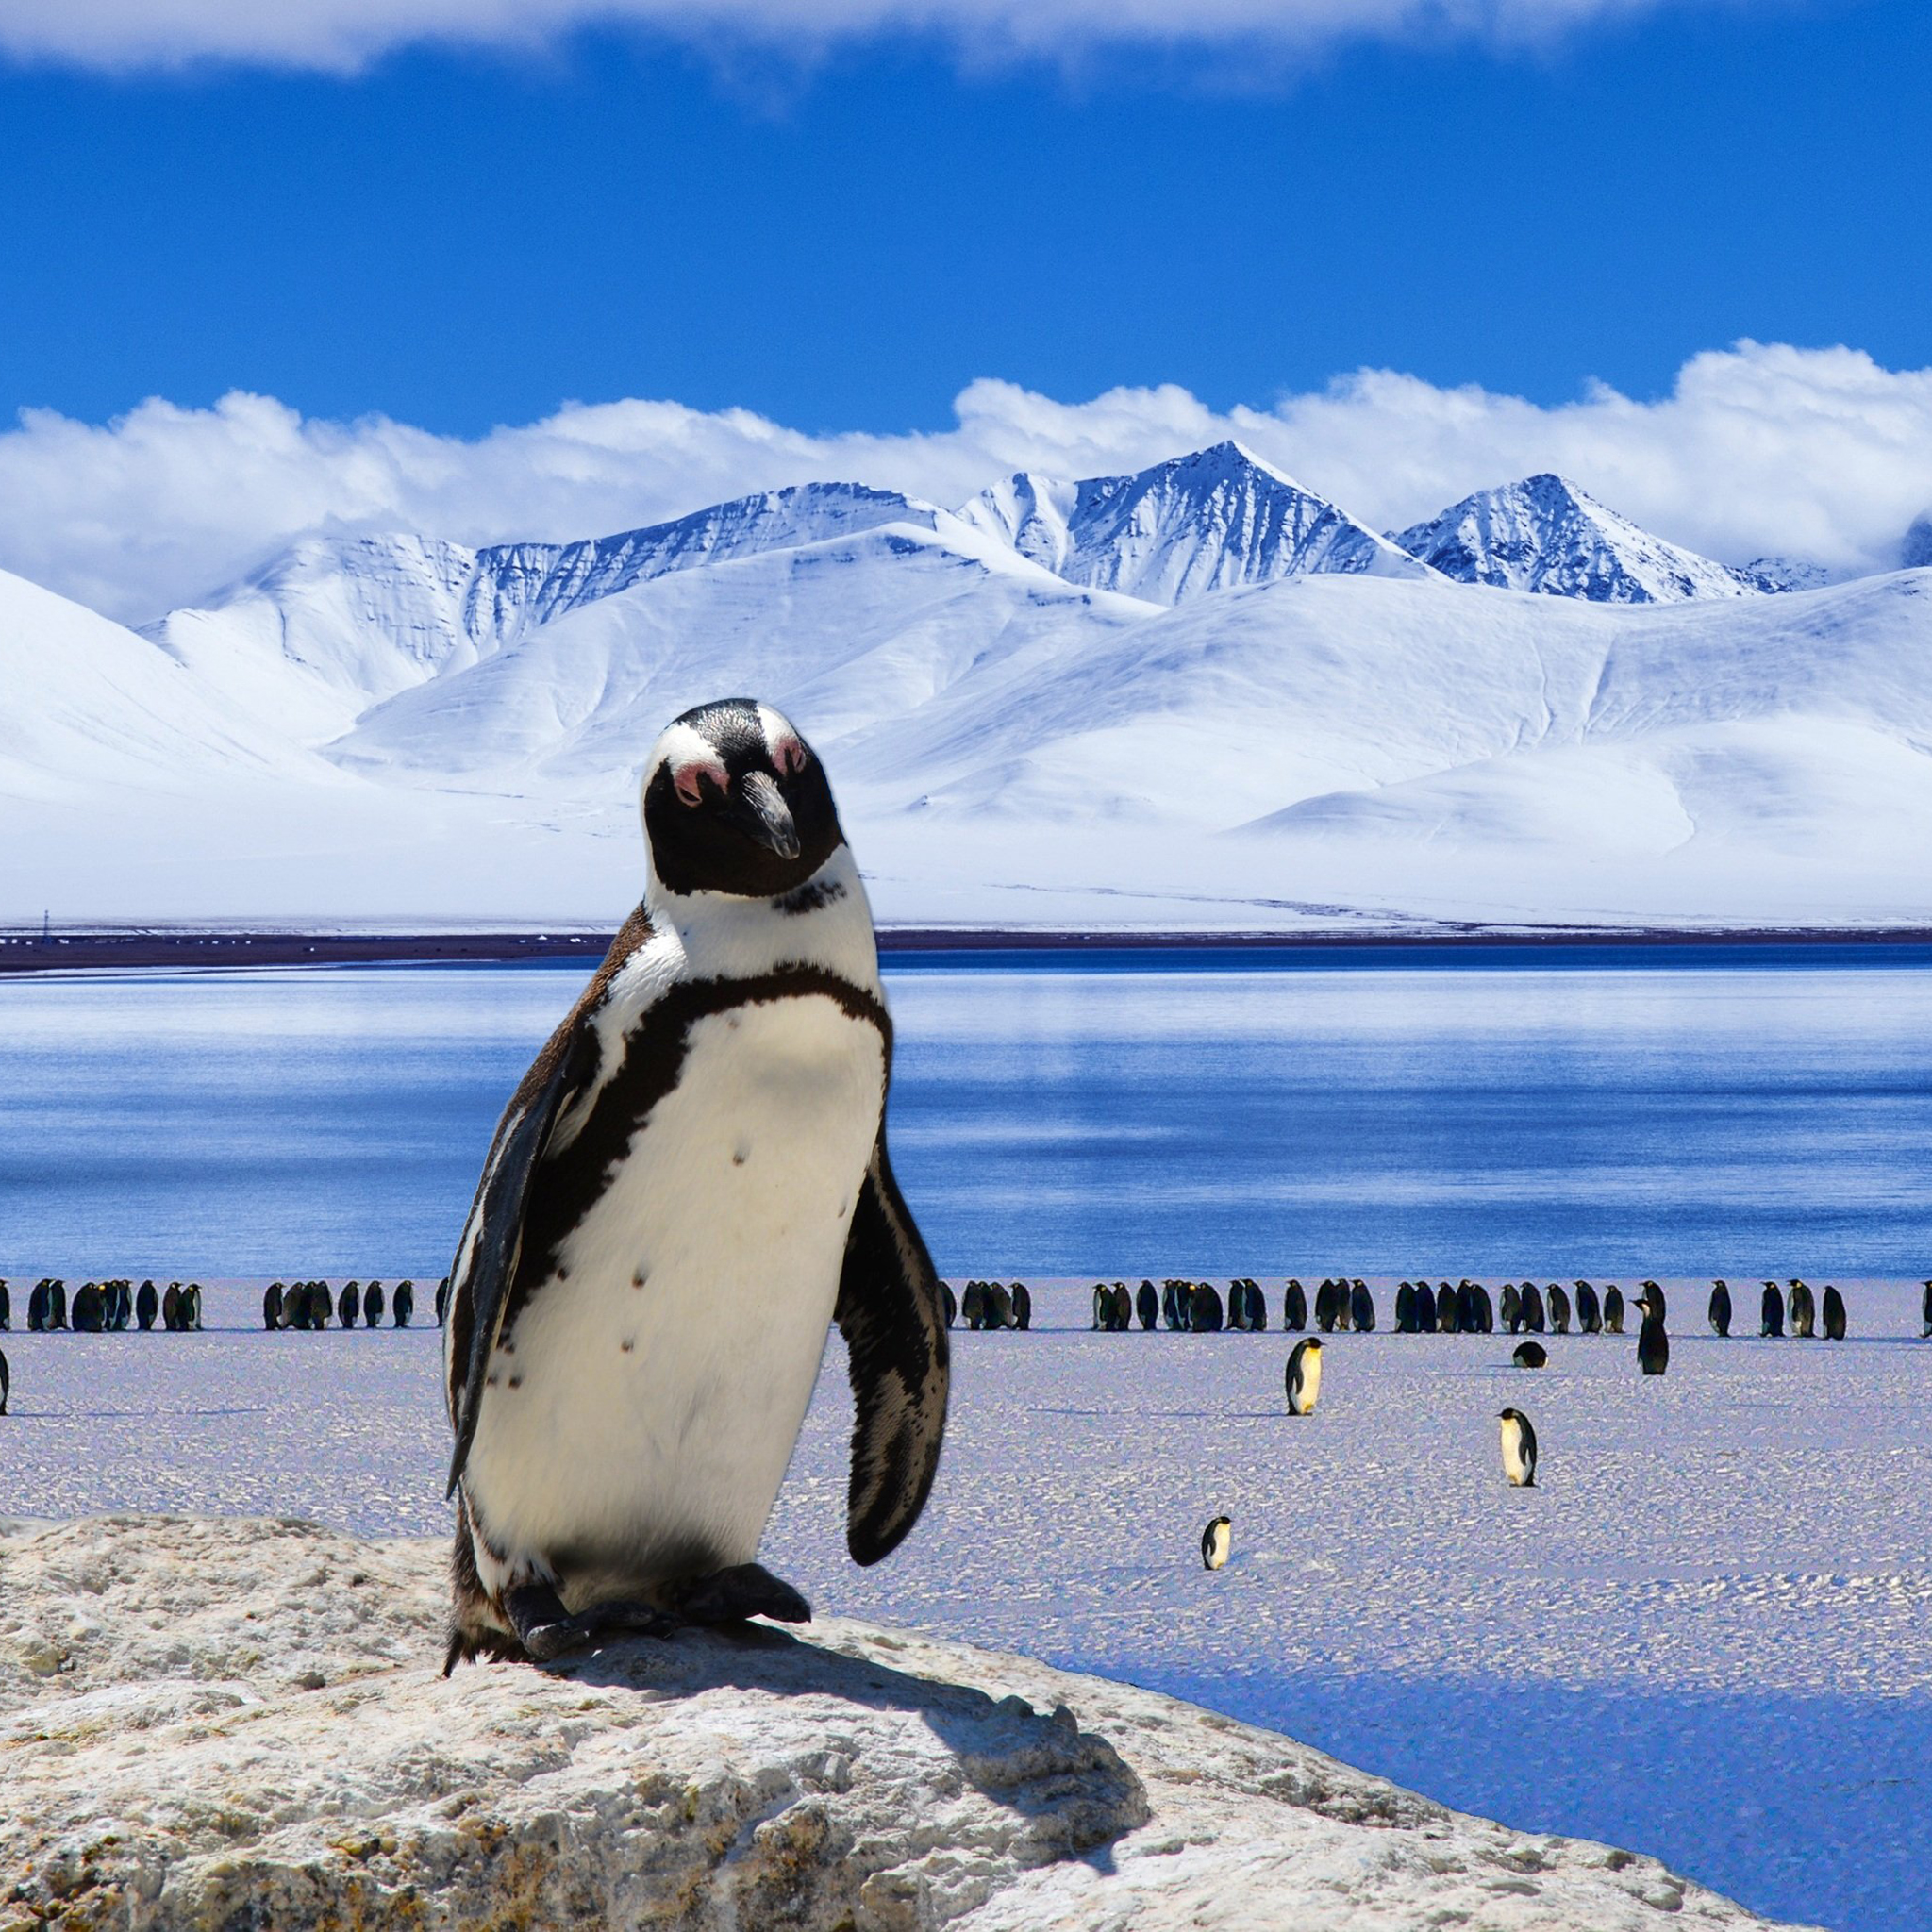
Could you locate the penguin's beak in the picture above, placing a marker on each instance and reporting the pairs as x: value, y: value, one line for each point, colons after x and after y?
x: 762, y: 812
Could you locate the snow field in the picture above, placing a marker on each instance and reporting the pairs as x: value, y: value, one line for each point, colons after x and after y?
x: 1702, y: 1633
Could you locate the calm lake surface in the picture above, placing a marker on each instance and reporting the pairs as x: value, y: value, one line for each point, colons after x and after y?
x: 1650, y: 1110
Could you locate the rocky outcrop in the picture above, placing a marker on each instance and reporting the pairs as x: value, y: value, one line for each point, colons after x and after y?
x: 236, y: 1724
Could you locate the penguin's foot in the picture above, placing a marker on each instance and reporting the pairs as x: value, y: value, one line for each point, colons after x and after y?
x: 548, y: 1631
x: 729, y: 1596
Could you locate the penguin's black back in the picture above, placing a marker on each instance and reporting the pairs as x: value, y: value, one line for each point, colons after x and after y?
x: 403, y: 1304
x: 1425, y: 1308
x: 1652, y: 1346
x: 1022, y: 1297
x: 1589, y: 1314
x: 1834, y: 1314
x: 1559, y: 1305
x: 1295, y: 1307
x: 1204, y: 1308
x: 1530, y: 1354
x: 1613, y: 1309
x: 1534, y: 1318
x: 1361, y: 1309
x: 1147, y: 1306
x: 1771, y: 1310
x: 1720, y: 1309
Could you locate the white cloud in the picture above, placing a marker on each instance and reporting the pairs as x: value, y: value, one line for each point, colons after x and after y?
x: 1818, y: 453
x: 345, y: 35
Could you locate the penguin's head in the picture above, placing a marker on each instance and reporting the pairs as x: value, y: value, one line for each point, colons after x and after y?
x: 734, y: 802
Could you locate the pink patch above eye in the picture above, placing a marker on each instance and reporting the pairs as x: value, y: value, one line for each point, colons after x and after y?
x: 789, y: 755
x: 684, y: 779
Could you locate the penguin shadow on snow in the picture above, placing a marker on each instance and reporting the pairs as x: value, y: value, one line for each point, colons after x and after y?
x: 985, y: 1735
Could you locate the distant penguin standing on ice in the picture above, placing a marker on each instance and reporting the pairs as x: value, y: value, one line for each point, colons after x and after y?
x: 1518, y: 1449
x: 1614, y: 1309
x: 1558, y: 1304
x: 90, y: 1311
x: 372, y: 1306
x: 1147, y: 1306
x: 1770, y: 1311
x: 1216, y: 1540
x: 1022, y: 1305
x: 1510, y: 1307
x: 1424, y: 1309
x: 441, y: 1300
x: 6, y: 1383
x: 949, y: 1302
x: 1361, y: 1308
x: 1652, y: 1344
x: 1834, y: 1314
x: 1926, y: 1312
x: 1295, y: 1307
x: 1405, y: 1309
x: 1803, y: 1311
x: 349, y: 1304
x: 1589, y: 1314
x: 5, y: 1308
x: 1204, y: 1309
x: 171, y: 1308
x: 1534, y: 1318
x: 1720, y: 1308
x: 1530, y: 1354
x: 403, y: 1304
x: 1304, y: 1376
x: 1448, y: 1309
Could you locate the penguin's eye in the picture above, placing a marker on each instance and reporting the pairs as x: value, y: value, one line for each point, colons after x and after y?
x: 687, y: 779
x: 791, y: 756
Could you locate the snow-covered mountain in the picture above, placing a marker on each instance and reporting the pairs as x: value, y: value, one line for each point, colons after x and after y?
x: 1915, y: 551
x: 1204, y: 522
x: 1545, y: 534
x: 1197, y: 696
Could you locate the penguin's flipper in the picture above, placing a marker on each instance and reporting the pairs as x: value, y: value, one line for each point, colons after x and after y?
x: 892, y: 1316
x: 492, y: 1238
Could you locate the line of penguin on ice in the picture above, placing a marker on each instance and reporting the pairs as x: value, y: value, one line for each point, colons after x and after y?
x: 106, y: 1307
x: 1344, y: 1305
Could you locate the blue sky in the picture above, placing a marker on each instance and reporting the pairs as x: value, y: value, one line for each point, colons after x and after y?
x: 463, y: 237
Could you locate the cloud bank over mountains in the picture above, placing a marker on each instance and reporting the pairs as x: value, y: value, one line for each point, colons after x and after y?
x: 343, y: 36
x: 1759, y: 450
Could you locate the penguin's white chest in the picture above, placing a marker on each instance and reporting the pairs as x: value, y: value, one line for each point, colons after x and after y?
x: 1516, y: 1463
x: 640, y: 1421
x: 1307, y: 1384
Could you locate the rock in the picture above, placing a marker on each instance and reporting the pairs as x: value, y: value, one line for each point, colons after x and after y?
x: 242, y: 1723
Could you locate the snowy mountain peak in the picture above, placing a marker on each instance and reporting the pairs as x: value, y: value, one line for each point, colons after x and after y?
x: 1546, y: 534
x: 1205, y: 521
x: 1915, y: 552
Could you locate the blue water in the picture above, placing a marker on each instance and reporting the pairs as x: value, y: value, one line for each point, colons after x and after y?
x: 1667, y: 1111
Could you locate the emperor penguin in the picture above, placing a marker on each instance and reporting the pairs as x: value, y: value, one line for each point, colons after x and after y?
x: 6, y: 1309
x: 995, y: 1310
x: 6, y: 1383
x: 1304, y: 1376
x: 1770, y: 1311
x: 949, y: 1304
x: 1531, y: 1301
x: 1361, y: 1308
x: 1448, y: 1309
x: 1926, y: 1312
x: 89, y: 1310
x: 1023, y: 1306
x: 1405, y: 1309
x: 1518, y: 1449
x: 171, y: 1308
x: 403, y: 1304
x: 1589, y: 1314
x: 1424, y: 1309
x: 1257, y: 1306
x: 688, y: 1187
x: 1204, y: 1309
x: 1216, y: 1540
x: 1614, y: 1309
x: 1803, y: 1311
x: 1652, y: 1344
x: 441, y: 1300
x: 1510, y: 1307
x: 1560, y: 1309
x: 1147, y: 1306
x: 1530, y: 1354
x: 1295, y: 1307
x: 372, y: 1306
x: 1834, y: 1314
x: 1719, y: 1308
x: 349, y: 1304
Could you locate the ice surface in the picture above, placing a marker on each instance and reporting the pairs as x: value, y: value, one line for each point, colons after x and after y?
x: 1701, y: 1635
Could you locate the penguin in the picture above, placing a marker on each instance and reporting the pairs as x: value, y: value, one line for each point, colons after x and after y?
x: 90, y: 1311
x: 1022, y: 1297
x: 1590, y: 1313
x: 171, y: 1308
x: 1530, y: 1354
x: 6, y: 1309
x: 948, y: 1303
x: 1926, y: 1312
x: 191, y: 1307
x: 372, y: 1306
x: 1448, y: 1309
x: 1834, y: 1314
x: 1123, y: 1308
x: 1558, y: 1306
x: 271, y: 1306
x: 1613, y: 1310
x: 6, y: 1383
x: 1652, y: 1344
x: 1803, y: 1311
x: 1468, y: 1310
x: 1720, y: 1308
x: 1405, y: 1309
x: 37, y: 1307
x: 1324, y: 1308
x: 1304, y: 1376
x: 1485, y: 1311
x: 1204, y: 1309
x: 1361, y: 1308
x: 1237, y: 1304
x: 689, y: 1186
x: 57, y: 1303
x: 1215, y: 1541
x: 350, y: 1304
x: 1518, y: 1449
x: 1770, y: 1311
x: 1295, y: 1308
x: 995, y: 1307
x: 1147, y: 1306
x: 1534, y: 1318
x: 973, y: 1305
x: 403, y: 1304
x: 1510, y: 1307
x: 1424, y: 1309
x: 1257, y: 1307
x: 1102, y: 1306
x: 441, y: 1300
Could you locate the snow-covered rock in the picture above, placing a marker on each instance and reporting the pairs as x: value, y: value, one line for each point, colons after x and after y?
x: 241, y: 1723
x: 1203, y: 522
x: 1546, y: 534
x: 1915, y: 551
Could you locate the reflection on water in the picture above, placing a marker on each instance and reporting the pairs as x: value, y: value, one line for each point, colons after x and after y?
x: 1667, y: 1113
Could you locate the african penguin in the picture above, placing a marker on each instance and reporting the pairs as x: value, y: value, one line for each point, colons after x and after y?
x: 1530, y: 1354
x: 1518, y: 1449
x: 1215, y: 1541
x: 1770, y: 1311
x: 1304, y: 1376
x: 1720, y: 1308
x: 690, y: 1184
x: 1834, y: 1314
x: 1652, y: 1344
